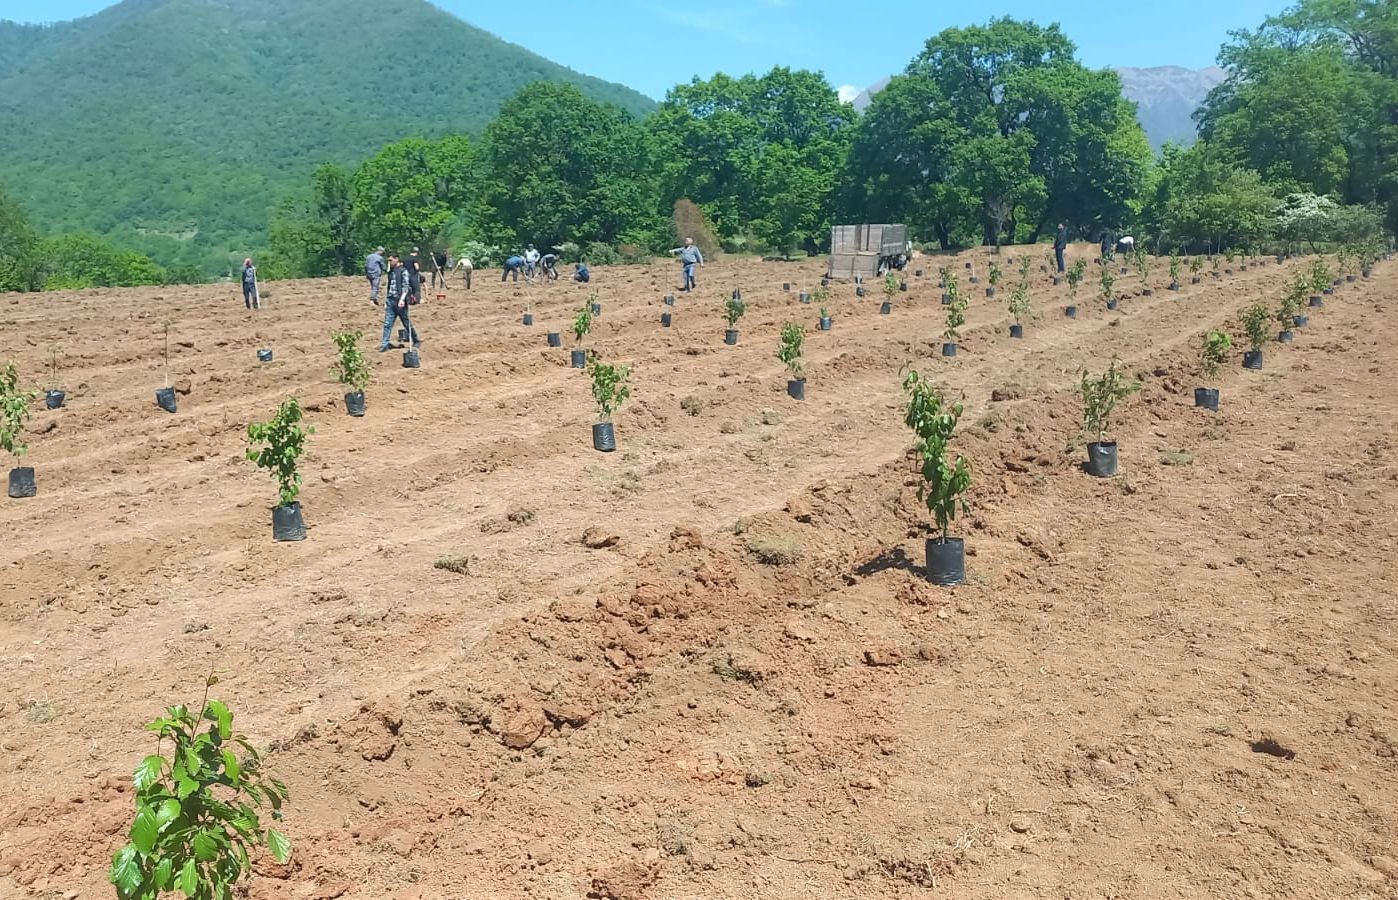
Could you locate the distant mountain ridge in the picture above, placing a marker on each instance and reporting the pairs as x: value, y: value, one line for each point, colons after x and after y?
x: 176, y: 125
x: 1165, y: 97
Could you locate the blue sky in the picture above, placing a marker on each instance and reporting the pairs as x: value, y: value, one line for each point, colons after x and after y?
x: 651, y: 45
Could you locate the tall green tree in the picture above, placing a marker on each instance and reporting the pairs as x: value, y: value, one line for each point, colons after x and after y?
x: 1203, y: 201
x: 409, y: 192
x: 314, y: 237
x: 18, y: 265
x: 559, y: 167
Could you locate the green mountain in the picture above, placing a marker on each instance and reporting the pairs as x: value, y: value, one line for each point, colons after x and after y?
x: 174, y: 126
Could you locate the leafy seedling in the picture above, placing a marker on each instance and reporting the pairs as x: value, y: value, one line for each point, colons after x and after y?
x: 956, y: 310
x: 1255, y: 320
x: 609, y: 387
x: 933, y: 420
x: 890, y: 286
x: 996, y: 273
x: 1213, y: 353
x: 789, y: 351
x: 1108, y: 283
x: 734, y: 308
x: 14, y: 412
x: 582, y: 324
x: 350, y: 367
x: 277, y: 446
x: 1100, y: 396
x: 1019, y: 302
x: 1075, y: 276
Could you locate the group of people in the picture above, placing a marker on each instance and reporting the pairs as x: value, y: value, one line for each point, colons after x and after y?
x: 532, y: 264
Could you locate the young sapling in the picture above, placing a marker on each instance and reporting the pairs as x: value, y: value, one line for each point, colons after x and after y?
x: 944, y: 483
x: 277, y: 446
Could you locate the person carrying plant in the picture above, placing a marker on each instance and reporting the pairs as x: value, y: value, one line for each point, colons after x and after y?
x: 1060, y: 244
x: 513, y: 265
x: 373, y: 270
x: 690, y: 256
x: 396, y: 306
x: 250, y: 298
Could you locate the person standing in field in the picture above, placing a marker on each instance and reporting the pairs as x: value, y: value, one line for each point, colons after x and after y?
x: 531, y: 262
x: 439, y: 267
x: 690, y: 256
x: 373, y: 270
x: 250, y: 298
x: 1060, y: 244
x: 397, y: 303
x: 464, y: 266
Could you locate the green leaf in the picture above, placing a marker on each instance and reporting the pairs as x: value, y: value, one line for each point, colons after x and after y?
x: 219, y: 713
x: 164, y: 874
x: 205, y: 845
x: 186, y: 786
x: 189, y: 878
x: 166, y: 813
x: 230, y: 765
x: 144, y: 830
x: 279, y: 845
x: 126, y: 870
x: 147, y: 772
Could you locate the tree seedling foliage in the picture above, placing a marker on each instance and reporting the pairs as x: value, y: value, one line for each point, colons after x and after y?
x: 14, y: 412
x: 890, y: 286
x: 282, y: 441
x: 1320, y: 276
x: 1075, y: 275
x: 1019, y: 302
x: 609, y: 387
x: 956, y: 309
x: 1108, y: 282
x: 1255, y: 320
x: 789, y: 351
x: 1100, y: 396
x: 734, y: 308
x: 1213, y: 353
x: 933, y: 421
x: 350, y: 368
x: 582, y: 322
x: 996, y: 273
x: 197, y: 819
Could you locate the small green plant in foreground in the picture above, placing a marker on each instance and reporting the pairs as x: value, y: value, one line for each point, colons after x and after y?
x: 1254, y: 321
x: 1019, y: 302
x: 582, y: 323
x: 197, y: 803
x: 14, y: 412
x: 734, y: 308
x: 890, y: 286
x: 1214, y: 351
x: 1175, y: 269
x: 351, y: 368
x: 283, y: 441
x: 609, y: 387
x: 933, y: 420
x: 956, y: 310
x: 1292, y: 301
x: 1100, y: 396
x: 789, y: 352
x: 995, y: 273
x: 1320, y: 276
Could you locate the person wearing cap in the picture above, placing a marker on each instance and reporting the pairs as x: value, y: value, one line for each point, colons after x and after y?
x: 250, y: 298
x: 690, y: 256
x: 397, y: 303
x: 373, y: 270
x: 531, y: 261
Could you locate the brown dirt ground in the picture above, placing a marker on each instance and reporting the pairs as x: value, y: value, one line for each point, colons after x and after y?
x: 752, y: 692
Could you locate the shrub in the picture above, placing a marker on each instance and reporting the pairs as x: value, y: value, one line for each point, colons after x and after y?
x: 1100, y: 397
x: 956, y: 309
x: 1075, y: 275
x: 996, y: 273
x: 890, y: 286
x: 1019, y: 302
x: 793, y: 336
x: 14, y: 412
x: 483, y: 255
x: 1108, y: 282
x: 351, y: 368
x: 1142, y: 261
x: 1255, y: 320
x: 1292, y: 300
x: 600, y: 254
x: 933, y: 421
x: 734, y: 309
x: 1196, y: 264
x: 635, y: 255
x: 689, y: 221
x: 197, y: 809
x: 283, y: 440
x: 1174, y: 268
x: 1320, y: 276
x: 1214, y: 351
x: 609, y: 387
x: 582, y: 322
x: 1024, y: 264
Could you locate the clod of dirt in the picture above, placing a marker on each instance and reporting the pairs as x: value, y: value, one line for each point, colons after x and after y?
x: 1271, y: 745
x: 774, y: 550
x: 1008, y: 392
x: 739, y: 666
x: 684, y: 538
x: 1176, y: 458
x: 183, y: 387
x: 457, y: 565
x: 1021, y: 826
x: 728, y: 427
x: 595, y: 538
x: 523, y: 728
x: 629, y: 881
x: 757, y: 779
x: 799, y: 510
x: 882, y: 657
x: 693, y: 405
x: 45, y: 428
x: 771, y: 417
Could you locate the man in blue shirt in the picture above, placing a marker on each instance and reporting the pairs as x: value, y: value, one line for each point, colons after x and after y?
x: 581, y: 273
x: 373, y: 270
x: 690, y: 256
x: 513, y: 265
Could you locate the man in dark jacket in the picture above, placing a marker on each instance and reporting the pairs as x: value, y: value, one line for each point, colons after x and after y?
x: 1060, y: 243
x: 396, y: 304
x: 373, y: 270
x: 439, y: 267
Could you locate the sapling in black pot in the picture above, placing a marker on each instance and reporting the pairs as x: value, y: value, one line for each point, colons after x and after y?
x: 995, y: 275
x: 1108, y: 282
x: 55, y: 395
x: 582, y: 326
x: 14, y: 412
x: 1075, y: 276
x: 734, y: 308
x: 1142, y: 261
x: 1100, y: 396
x: 277, y: 446
x: 351, y: 369
x: 1290, y: 307
x: 1213, y: 353
x: 1319, y: 280
x: 1019, y: 308
x: 890, y: 290
x: 944, y: 483
x: 610, y: 390
x: 825, y: 323
x: 956, y: 317
x: 594, y: 303
x: 1175, y: 271
x: 1196, y: 265
x: 1255, y: 319
x: 789, y: 352
x: 165, y: 397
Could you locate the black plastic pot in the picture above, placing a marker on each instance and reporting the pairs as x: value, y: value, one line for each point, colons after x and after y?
x: 1349, y: 278
x: 1123, y: 270
x: 264, y: 356
x: 859, y: 291
x: 786, y: 286
x: 948, y: 349
x: 669, y: 299
x: 1252, y: 359
x: 990, y: 292
x: 528, y: 319
x: 917, y: 273
x: 1070, y: 311
x: 1300, y: 321
x: 165, y: 399
x: 1016, y: 331
x: 22, y: 482
x: 597, y: 309
x: 903, y: 287
x: 603, y: 437
x: 1328, y: 292
x: 1113, y: 303
x: 1101, y: 459
x: 730, y: 337
x: 1367, y: 272
x: 737, y: 294
x: 796, y: 388
x: 1316, y: 301
x: 411, y: 360
x: 1147, y: 293
x: 1285, y: 336
x: 554, y: 339
x: 1056, y: 281
x: 975, y: 280
x: 54, y: 399
x: 578, y: 359
x: 968, y: 265
x: 1174, y: 285
x: 665, y: 320
x: 287, y: 524
x: 825, y: 281
x: 825, y: 323
x: 1194, y: 280
x: 805, y: 297
x: 946, y: 561
x: 354, y: 404
x: 885, y: 308
x: 1206, y: 398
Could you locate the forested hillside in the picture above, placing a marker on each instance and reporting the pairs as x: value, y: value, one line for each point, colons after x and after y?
x: 175, y: 126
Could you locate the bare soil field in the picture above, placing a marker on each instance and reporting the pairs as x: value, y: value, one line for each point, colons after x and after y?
x: 709, y: 664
